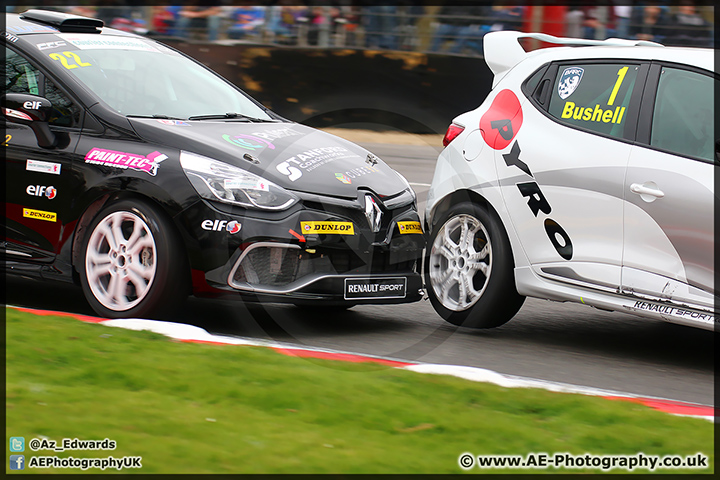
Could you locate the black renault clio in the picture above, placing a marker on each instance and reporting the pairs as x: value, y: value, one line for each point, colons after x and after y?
x: 138, y: 173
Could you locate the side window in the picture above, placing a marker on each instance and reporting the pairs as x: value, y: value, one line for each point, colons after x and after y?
x: 22, y: 77
x: 593, y: 96
x: 65, y: 113
x: 683, y: 119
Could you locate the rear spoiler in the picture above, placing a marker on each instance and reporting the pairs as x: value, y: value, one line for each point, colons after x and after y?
x: 502, y: 50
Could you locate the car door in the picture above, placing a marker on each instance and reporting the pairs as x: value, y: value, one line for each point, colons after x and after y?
x: 39, y: 184
x: 668, y: 250
x: 573, y: 146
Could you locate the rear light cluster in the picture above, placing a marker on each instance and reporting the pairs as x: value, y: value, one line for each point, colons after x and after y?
x: 453, y: 131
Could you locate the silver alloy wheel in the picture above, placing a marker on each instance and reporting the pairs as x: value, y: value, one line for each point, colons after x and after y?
x: 120, y: 261
x: 460, y: 262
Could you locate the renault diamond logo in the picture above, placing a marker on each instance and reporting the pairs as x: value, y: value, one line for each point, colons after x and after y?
x: 373, y: 213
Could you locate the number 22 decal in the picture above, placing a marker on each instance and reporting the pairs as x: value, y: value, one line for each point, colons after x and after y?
x: 69, y: 55
x: 7, y: 140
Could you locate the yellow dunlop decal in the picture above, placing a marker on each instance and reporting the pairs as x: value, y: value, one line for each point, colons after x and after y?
x: 40, y: 215
x: 410, y: 227
x: 327, y: 228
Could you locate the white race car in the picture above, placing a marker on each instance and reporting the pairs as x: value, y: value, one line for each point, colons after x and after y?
x: 586, y: 175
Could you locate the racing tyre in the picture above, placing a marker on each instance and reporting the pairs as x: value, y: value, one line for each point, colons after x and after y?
x: 469, y: 269
x: 133, y: 263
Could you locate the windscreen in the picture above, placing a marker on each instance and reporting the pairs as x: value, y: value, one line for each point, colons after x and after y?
x: 137, y: 76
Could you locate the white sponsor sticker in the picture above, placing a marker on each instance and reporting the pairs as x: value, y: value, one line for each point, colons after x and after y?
x: 241, y: 183
x: 89, y: 41
x: 42, y: 167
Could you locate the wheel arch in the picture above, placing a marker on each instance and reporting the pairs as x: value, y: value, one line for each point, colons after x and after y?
x: 105, y: 198
x: 471, y: 196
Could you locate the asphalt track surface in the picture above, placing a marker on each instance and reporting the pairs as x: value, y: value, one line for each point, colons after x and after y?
x: 559, y: 342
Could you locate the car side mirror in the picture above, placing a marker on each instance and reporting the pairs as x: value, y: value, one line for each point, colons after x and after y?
x: 30, y: 110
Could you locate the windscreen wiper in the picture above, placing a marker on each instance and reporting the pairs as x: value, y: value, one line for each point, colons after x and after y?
x: 230, y: 116
x: 162, y: 117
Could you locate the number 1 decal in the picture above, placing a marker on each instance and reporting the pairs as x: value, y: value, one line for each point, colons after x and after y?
x: 71, y: 55
x: 621, y: 76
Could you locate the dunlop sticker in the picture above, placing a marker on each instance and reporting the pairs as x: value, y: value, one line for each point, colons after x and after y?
x: 410, y: 227
x: 40, y: 215
x: 327, y: 228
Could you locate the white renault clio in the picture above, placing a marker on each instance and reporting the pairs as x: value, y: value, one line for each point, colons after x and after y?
x: 586, y: 176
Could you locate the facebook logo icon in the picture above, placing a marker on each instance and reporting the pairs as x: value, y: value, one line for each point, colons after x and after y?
x: 17, y: 462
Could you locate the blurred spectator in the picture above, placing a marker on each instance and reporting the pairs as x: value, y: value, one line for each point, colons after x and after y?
x: 248, y: 21
x: 458, y: 24
x: 407, y: 30
x: 648, y: 23
x: 599, y: 22
x: 380, y: 23
x: 688, y: 28
x: 574, y: 19
x: 163, y: 20
x: 622, y: 20
x: 506, y: 17
x: 198, y: 22
x: 283, y: 21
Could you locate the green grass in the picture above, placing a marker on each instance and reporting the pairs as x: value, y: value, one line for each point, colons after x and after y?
x: 193, y: 408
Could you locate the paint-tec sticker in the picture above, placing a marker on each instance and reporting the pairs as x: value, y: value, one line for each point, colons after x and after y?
x: 93, y: 42
x: 174, y: 122
x: 569, y: 81
x: 111, y: 158
x: 410, y: 227
x: 249, y: 142
x: 501, y: 122
x: 40, y: 215
x: 327, y: 228
x: 42, y: 167
x: 276, y: 133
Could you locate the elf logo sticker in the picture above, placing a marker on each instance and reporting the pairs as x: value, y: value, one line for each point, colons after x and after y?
x: 38, y: 191
x: 328, y: 228
x: 410, y: 227
x: 40, y: 215
x: 501, y: 122
x: 231, y: 227
x: 569, y: 81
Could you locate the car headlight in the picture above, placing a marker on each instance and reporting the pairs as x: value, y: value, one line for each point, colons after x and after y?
x: 216, y: 180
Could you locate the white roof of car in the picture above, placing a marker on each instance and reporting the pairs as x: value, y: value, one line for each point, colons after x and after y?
x: 503, y: 51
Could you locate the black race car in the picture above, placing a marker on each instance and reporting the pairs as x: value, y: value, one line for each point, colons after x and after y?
x: 138, y: 173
